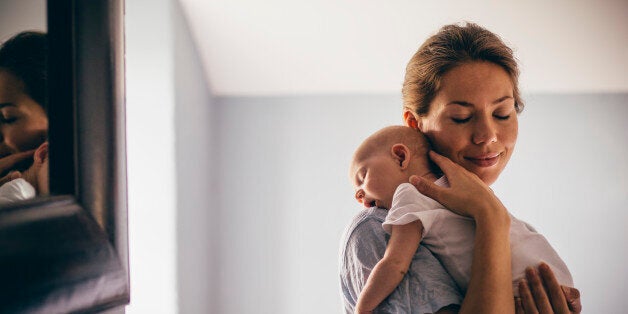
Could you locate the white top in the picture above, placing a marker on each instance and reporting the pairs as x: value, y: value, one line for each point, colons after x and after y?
x: 450, y: 237
x: 16, y: 190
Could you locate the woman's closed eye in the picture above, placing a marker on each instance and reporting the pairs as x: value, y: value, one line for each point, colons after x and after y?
x: 504, y: 112
x: 502, y: 117
x: 7, y: 119
x: 460, y: 120
x: 8, y: 114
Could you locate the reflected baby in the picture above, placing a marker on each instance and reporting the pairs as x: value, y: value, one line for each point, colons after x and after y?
x: 30, y: 182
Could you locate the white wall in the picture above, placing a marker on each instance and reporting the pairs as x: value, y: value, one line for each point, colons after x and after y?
x: 196, y: 214
x: 328, y: 46
x: 286, y: 197
x: 151, y: 156
x: 170, y: 131
x: 21, y: 15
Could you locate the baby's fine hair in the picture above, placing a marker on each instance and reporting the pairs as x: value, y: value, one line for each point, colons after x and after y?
x: 382, y: 140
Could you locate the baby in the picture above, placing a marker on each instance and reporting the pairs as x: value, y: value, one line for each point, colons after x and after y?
x: 30, y: 182
x: 380, y: 171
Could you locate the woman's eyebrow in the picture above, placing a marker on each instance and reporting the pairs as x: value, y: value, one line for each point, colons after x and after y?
x: 468, y: 104
x: 460, y: 103
x: 6, y: 104
x: 502, y: 99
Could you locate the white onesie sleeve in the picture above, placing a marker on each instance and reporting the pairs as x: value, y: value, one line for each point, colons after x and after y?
x: 16, y: 190
x: 410, y: 205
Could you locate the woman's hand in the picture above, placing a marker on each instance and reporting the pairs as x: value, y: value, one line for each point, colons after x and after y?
x: 542, y: 293
x: 490, y: 285
x: 8, y: 163
x: 467, y: 194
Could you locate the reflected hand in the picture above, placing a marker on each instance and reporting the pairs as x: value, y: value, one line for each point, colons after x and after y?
x: 467, y: 195
x: 541, y: 293
x: 8, y: 163
x: 10, y: 177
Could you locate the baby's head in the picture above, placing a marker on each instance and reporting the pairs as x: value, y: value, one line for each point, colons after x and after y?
x: 386, y: 159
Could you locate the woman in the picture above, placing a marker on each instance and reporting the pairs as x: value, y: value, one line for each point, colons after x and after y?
x: 23, y: 119
x: 461, y: 91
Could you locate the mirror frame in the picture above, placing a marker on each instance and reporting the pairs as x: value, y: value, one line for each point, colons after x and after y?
x: 68, y: 253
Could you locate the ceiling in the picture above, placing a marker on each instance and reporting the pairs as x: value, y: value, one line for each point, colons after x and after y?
x: 279, y: 47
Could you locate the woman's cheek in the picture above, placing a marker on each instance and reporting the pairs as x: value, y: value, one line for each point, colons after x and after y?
x: 449, y: 143
x: 511, y: 133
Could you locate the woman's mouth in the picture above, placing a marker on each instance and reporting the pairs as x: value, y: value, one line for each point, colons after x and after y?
x: 486, y: 160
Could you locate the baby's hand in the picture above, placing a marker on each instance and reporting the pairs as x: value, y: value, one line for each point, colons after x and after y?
x: 10, y: 177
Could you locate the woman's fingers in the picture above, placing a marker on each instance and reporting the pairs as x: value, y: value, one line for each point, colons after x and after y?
x: 555, y: 293
x: 445, y: 164
x: 573, y: 299
x: 9, y: 177
x: 427, y: 188
x: 527, y: 300
x: 538, y: 291
x: 8, y: 162
x: 519, y: 306
x: 572, y: 295
x: 541, y: 293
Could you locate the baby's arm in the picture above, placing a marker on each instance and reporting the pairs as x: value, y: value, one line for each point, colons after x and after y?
x: 389, y: 271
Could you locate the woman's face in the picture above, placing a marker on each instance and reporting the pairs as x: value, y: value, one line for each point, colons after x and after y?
x: 23, y: 122
x: 472, y: 120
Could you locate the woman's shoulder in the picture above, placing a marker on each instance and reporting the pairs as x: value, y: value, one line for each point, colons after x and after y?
x: 367, y: 220
x: 365, y: 230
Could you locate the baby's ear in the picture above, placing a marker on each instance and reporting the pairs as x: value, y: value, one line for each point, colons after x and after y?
x: 41, y: 154
x: 401, y: 153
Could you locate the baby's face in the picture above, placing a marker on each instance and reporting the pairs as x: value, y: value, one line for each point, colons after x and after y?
x: 375, y: 179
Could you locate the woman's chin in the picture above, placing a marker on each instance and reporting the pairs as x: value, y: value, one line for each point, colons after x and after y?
x: 488, y: 175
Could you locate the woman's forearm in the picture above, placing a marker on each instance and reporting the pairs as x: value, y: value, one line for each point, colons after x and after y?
x: 490, y: 286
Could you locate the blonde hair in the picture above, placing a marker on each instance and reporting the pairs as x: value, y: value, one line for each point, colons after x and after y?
x: 454, y: 45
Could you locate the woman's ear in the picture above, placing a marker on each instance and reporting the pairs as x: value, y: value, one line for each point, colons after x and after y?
x: 410, y: 119
x: 401, y: 153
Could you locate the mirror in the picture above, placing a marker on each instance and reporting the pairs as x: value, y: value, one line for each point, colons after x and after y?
x: 67, y: 252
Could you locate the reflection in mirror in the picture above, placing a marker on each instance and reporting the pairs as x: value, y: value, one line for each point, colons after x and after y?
x: 23, y: 101
x: 55, y: 254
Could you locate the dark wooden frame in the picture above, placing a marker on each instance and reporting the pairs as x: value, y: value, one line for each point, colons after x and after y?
x: 68, y: 253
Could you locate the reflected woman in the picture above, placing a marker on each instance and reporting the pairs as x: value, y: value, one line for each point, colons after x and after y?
x: 23, y: 119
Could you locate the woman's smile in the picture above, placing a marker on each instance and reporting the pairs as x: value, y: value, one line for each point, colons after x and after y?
x: 485, y: 160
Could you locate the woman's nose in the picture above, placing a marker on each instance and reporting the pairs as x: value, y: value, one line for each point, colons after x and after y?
x: 484, y: 132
